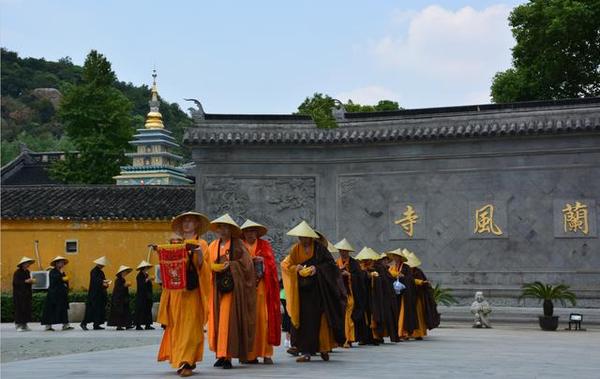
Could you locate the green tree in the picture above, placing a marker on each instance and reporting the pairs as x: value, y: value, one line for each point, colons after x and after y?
x: 557, y: 52
x: 319, y: 108
x: 97, y: 119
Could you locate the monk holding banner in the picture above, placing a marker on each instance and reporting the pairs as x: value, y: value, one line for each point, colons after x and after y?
x: 268, y: 312
x: 183, y: 306
x: 231, y: 325
x: 313, y: 296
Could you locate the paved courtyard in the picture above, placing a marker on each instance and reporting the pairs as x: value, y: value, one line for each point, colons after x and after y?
x: 453, y: 351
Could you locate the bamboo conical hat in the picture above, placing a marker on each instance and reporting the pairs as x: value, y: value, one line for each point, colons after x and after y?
x: 382, y: 255
x: 262, y: 230
x: 124, y: 268
x: 143, y: 264
x: 203, y: 223
x: 25, y: 260
x: 303, y: 230
x: 413, y: 260
x: 331, y: 248
x: 58, y: 258
x: 397, y: 252
x: 101, y: 261
x: 344, y: 245
x: 367, y: 253
x: 226, y: 219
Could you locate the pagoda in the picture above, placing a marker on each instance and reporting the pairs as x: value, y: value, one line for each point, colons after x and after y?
x: 154, y: 162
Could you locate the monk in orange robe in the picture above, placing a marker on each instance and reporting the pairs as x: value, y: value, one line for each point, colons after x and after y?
x: 184, y: 312
x: 407, y: 320
x: 232, y: 319
x: 314, y: 299
x: 268, y: 312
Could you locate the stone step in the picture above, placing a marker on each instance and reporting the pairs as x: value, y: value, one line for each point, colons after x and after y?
x: 591, y: 316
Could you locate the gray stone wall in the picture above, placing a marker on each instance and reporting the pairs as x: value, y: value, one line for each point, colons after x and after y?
x: 358, y: 191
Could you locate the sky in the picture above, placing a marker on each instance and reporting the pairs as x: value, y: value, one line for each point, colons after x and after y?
x: 268, y: 56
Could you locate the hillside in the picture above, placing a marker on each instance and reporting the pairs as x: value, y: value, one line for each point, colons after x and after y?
x: 31, y: 90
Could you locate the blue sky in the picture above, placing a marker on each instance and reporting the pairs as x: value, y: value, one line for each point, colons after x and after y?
x: 267, y: 56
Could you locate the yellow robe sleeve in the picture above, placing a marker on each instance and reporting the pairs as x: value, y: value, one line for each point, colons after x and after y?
x: 419, y: 282
x: 204, y: 275
x: 289, y: 275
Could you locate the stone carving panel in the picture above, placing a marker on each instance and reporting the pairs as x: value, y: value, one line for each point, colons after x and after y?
x: 278, y: 203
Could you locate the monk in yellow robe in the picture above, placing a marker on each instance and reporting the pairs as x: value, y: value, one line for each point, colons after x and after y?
x: 407, y: 319
x: 427, y: 315
x: 314, y: 299
x: 184, y: 312
x: 355, y: 282
x: 232, y: 319
x: 268, y: 308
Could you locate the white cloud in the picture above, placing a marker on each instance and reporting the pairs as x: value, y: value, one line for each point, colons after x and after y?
x: 367, y: 95
x: 446, y: 50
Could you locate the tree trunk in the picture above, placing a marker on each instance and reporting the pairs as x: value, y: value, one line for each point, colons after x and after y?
x: 548, y: 308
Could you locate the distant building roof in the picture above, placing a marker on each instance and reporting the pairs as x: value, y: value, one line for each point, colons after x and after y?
x: 98, y: 202
x: 30, y: 167
x: 472, y: 121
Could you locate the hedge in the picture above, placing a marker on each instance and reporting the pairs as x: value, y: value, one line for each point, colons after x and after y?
x: 7, y: 307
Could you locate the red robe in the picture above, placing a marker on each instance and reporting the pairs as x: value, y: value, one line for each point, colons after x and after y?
x: 265, y: 250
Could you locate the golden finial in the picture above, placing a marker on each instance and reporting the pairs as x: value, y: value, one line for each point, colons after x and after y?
x: 154, y: 118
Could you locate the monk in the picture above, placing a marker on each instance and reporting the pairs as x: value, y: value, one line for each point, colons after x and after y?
x: 95, y: 306
x: 119, y: 305
x: 389, y: 310
x: 22, y: 294
x: 354, y: 281
x: 232, y: 319
x: 368, y: 331
x: 313, y: 296
x: 184, y: 312
x: 407, y: 318
x: 427, y: 315
x: 143, y: 297
x: 56, y: 306
x: 268, y: 311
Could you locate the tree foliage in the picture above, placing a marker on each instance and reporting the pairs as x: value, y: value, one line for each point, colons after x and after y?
x: 319, y: 107
x: 97, y: 117
x: 557, y: 52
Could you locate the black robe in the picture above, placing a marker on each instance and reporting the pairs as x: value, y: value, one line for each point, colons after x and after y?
x: 320, y: 294
x: 95, y: 306
x: 425, y: 292
x: 386, y: 307
x: 22, y: 296
x: 408, y: 298
x: 359, y: 292
x: 143, y: 300
x: 56, y: 306
x: 119, y: 306
x: 364, y: 332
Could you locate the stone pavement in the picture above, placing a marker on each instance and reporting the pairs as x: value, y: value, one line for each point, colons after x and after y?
x: 453, y: 351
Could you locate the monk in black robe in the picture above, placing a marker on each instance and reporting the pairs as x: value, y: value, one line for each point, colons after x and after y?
x: 427, y: 314
x: 119, y: 307
x: 407, y: 299
x: 388, y: 309
x: 314, y: 298
x: 22, y: 294
x: 369, y: 333
x: 56, y: 306
x: 95, y: 306
x: 143, y: 297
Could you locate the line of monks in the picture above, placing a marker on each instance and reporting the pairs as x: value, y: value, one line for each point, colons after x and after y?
x: 232, y: 286
x: 56, y: 305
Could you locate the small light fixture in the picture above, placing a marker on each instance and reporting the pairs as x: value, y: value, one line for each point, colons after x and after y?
x: 575, y: 319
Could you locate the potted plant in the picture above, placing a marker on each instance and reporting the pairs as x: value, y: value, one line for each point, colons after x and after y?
x: 443, y: 295
x: 547, y: 293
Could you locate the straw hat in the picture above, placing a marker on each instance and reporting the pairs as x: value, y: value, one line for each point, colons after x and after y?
x: 226, y: 219
x: 413, y: 260
x: 124, y: 268
x: 331, y: 248
x: 397, y: 252
x: 303, y: 230
x: 203, y: 223
x: 102, y: 261
x: 344, y: 245
x: 382, y: 255
x: 367, y: 254
x: 143, y: 264
x: 58, y: 258
x: 249, y: 224
x: 25, y: 260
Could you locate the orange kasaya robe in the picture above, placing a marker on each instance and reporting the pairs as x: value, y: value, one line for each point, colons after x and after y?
x: 184, y: 314
x: 289, y: 273
x: 222, y: 335
x: 262, y: 348
x: 349, y: 329
x: 421, y: 330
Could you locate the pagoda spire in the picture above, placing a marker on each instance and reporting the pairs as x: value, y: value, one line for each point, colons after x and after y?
x: 154, y: 118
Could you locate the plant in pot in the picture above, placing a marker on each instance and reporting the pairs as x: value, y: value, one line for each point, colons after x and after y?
x: 548, y: 293
x: 443, y: 295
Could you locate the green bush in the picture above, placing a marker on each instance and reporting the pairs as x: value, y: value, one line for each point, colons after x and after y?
x: 7, y: 308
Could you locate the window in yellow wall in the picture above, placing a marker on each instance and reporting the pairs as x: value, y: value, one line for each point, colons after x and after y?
x: 71, y: 246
